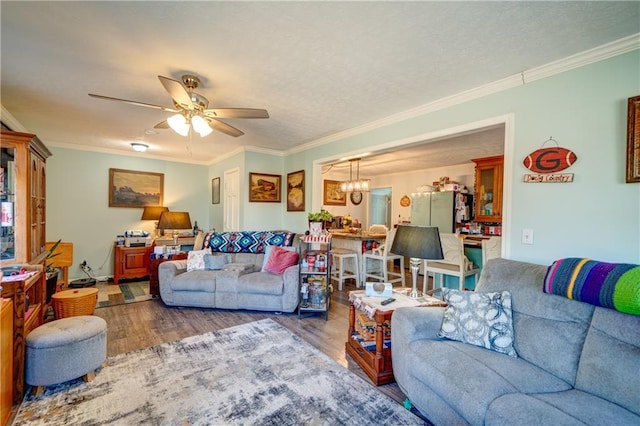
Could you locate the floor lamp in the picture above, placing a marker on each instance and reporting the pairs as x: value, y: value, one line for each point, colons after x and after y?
x: 417, y: 243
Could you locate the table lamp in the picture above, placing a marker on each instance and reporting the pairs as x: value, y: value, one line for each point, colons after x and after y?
x: 417, y: 243
x: 174, y: 221
x: 153, y: 213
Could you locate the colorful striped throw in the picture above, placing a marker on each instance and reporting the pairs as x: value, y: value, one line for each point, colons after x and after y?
x: 610, y: 285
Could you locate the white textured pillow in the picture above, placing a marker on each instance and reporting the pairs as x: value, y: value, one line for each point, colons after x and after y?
x: 267, y: 254
x: 195, y: 260
x: 481, y: 319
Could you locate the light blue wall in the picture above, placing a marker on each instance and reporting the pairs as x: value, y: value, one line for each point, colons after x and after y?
x: 584, y: 109
x: 597, y: 216
x: 78, y: 202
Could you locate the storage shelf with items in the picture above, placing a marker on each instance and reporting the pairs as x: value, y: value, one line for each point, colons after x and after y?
x: 488, y: 189
x: 315, y: 274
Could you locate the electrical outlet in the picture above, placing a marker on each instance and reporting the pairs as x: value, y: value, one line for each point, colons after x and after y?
x: 527, y: 236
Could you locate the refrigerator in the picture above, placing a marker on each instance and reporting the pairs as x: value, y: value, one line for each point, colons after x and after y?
x: 442, y: 209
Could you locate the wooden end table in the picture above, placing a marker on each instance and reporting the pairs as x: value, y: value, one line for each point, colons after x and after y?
x: 377, y: 364
x: 154, y: 264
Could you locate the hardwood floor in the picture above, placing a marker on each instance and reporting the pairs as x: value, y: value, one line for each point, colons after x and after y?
x: 135, y: 326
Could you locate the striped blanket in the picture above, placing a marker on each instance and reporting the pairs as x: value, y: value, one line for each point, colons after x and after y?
x: 610, y: 285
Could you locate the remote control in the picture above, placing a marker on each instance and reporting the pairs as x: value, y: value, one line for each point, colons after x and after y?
x: 387, y: 301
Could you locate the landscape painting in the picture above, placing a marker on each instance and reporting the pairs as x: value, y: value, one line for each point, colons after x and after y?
x: 264, y: 188
x: 130, y: 188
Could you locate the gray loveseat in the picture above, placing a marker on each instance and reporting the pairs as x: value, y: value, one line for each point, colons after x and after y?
x: 240, y: 284
x: 577, y: 363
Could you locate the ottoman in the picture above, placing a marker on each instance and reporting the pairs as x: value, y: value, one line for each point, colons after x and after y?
x: 65, y: 349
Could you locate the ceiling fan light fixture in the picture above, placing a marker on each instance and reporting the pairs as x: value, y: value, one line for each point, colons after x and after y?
x: 139, y: 147
x: 201, y: 126
x: 179, y: 124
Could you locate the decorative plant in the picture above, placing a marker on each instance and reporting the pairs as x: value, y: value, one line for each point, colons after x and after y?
x: 50, y: 270
x: 321, y: 216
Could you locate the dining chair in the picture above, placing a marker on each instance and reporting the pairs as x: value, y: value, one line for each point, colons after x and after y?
x: 455, y: 263
x: 375, y: 264
x: 491, y: 249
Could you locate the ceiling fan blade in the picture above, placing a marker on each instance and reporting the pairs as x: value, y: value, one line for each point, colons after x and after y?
x: 224, y: 127
x: 177, y: 92
x: 108, y: 98
x: 236, y: 113
x: 162, y: 125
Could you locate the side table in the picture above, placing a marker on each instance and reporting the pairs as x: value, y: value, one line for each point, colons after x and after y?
x: 154, y: 282
x: 377, y: 363
x: 130, y: 262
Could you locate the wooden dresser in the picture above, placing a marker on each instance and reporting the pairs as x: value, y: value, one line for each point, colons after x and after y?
x: 6, y: 360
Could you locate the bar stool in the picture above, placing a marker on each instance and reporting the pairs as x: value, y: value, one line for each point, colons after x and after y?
x: 339, y: 271
x: 378, y: 261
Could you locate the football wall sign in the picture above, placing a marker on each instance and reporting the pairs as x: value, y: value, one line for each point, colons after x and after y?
x: 547, y: 163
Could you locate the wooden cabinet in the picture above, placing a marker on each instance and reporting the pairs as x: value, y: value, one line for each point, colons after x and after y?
x: 130, y: 262
x: 6, y: 359
x: 488, y: 189
x: 154, y: 264
x: 23, y: 197
x: 25, y: 319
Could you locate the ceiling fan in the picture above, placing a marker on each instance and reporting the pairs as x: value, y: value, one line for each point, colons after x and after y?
x: 192, y: 110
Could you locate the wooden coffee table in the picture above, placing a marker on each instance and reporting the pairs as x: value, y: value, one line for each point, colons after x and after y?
x: 377, y: 363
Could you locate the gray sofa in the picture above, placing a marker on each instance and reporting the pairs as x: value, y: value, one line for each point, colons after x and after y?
x: 239, y: 284
x: 577, y: 363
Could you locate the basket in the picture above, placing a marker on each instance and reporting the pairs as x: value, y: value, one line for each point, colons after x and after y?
x: 366, y: 327
x: 72, y: 303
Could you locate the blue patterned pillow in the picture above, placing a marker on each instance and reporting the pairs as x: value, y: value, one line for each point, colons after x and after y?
x: 480, y: 319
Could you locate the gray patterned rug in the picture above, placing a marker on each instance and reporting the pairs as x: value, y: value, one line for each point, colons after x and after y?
x: 253, y: 374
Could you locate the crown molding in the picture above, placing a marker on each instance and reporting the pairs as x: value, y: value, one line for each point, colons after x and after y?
x: 587, y: 57
x: 10, y: 121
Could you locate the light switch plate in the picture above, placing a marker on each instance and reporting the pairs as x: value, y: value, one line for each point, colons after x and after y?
x: 527, y: 236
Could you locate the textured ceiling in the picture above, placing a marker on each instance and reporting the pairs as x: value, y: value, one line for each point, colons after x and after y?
x: 319, y: 68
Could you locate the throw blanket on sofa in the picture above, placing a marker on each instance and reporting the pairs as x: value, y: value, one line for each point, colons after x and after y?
x: 610, y: 285
x: 246, y: 241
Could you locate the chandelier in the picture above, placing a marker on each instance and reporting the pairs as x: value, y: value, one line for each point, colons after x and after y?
x: 357, y: 185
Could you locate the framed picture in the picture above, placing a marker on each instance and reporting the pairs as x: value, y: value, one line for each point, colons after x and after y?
x: 331, y: 194
x: 295, y: 191
x: 215, y: 190
x: 264, y: 188
x: 130, y: 188
x: 633, y: 140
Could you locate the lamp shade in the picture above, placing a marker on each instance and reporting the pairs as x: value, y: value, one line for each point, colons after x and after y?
x: 153, y: 212
x: 419, y: 242
x: 174, y: 220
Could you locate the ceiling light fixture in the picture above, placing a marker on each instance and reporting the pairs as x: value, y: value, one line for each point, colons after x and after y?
x: 358, y: 185
x: 181, y: 124
x: 139, y: 147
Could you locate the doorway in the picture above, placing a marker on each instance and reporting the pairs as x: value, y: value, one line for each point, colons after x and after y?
x: 380, y: 207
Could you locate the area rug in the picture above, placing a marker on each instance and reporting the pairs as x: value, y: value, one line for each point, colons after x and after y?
x: 252, y: 374
x: 110, y: 294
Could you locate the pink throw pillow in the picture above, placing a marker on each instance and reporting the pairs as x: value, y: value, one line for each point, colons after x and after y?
x: 280, y: 259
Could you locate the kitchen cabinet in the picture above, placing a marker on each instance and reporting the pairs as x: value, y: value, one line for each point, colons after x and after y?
x: 488, y: 189
x: 23, y: 197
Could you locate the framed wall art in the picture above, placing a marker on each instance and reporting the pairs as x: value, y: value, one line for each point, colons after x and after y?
x: 130, y: 188
x: 331, y: 194
x: 633, y: 140
x: 264, y: 188
x: 215, y: 190
x: 295, y: 191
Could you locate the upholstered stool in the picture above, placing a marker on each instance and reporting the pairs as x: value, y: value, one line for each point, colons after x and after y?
x: 339, y: 271
x: 65, y: 349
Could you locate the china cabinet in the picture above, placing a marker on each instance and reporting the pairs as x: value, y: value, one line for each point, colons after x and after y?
x: 488, y: 189
x: 22, y: 197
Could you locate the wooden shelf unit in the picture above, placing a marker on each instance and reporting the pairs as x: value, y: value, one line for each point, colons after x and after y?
x: 6, y: 360
x: 24, y: 320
